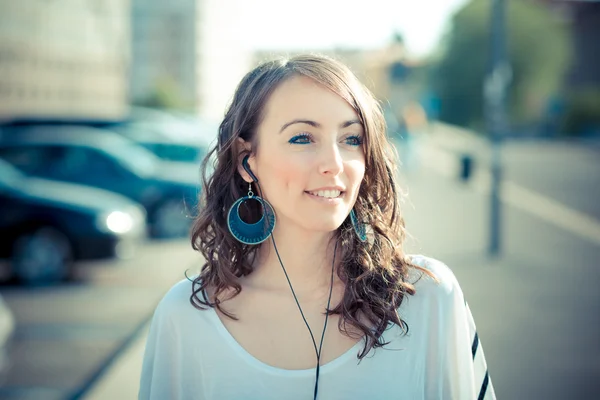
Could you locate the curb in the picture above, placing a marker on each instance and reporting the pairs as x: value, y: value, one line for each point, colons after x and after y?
x: 119, y: 377
x: 553, y: 212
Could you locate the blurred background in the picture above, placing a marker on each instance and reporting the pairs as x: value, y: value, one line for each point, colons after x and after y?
x: 108, y: 107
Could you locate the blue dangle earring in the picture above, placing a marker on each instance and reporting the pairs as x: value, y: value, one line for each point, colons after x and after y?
x: 359, y: 227
x: 254, y: 233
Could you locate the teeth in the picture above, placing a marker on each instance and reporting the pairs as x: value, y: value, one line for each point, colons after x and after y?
x: 327, y: 193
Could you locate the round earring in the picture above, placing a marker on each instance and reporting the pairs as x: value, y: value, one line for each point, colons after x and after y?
x: 359, y: 228
x: 254, y: 233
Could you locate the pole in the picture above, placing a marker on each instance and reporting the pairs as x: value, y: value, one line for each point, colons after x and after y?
x: 495, y: 97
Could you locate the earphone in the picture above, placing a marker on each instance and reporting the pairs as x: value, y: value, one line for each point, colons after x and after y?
x: 317, y: 351
x: 247, y: 168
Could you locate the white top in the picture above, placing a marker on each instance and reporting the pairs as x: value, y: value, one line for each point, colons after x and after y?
x: 191, y: 355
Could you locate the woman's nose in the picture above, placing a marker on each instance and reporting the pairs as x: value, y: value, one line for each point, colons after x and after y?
x: 330, y: 160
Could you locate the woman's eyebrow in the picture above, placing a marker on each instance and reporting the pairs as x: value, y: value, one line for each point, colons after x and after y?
x: 316, y: 124
x: 351, y: 122
x: 300, y: 121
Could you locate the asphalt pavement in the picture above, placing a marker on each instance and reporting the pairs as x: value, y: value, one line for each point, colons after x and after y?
x: 567, y: 171
x: 68, y: 336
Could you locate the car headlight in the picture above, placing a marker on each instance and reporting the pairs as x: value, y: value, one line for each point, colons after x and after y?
x: 117, y: 222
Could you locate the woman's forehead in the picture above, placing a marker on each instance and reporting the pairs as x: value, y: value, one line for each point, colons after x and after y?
x: 301, y: 97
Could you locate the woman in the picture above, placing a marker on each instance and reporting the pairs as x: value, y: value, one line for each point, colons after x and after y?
x: 301, y: 216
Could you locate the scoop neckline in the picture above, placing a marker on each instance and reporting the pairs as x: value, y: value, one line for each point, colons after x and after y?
x: 255, y: 362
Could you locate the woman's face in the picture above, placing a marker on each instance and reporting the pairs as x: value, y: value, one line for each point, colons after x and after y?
x: 310, y: 159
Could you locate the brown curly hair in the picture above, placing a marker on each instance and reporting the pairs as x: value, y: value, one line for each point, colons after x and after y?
x: 376, y: 272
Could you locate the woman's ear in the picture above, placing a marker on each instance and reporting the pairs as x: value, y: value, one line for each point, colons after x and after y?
x: 244, y: 149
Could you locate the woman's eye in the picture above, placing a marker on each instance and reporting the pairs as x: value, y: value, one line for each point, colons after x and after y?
x: 354, y: 140
x: 300, y: 139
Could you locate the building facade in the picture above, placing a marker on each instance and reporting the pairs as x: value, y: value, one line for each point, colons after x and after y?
x: 189, y: 50
x: 63, y: 59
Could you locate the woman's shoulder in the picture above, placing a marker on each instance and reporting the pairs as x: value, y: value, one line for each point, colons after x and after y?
x: 178, y: 292
x: 176, y: 302
x: 438, y: 296
x: 440, y: 281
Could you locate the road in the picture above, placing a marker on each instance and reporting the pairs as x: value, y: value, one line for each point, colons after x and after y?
x: 567, y: 171
x: 66, y: 334
x: 536, y: 307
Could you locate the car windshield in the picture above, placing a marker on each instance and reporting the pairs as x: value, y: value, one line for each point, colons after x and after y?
x: 137, y: 159
x: 175, y: 152
x: 131, y: 131
x: 10, y: 177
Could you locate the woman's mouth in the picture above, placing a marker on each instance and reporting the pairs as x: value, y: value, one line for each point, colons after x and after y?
x: 327, y: 196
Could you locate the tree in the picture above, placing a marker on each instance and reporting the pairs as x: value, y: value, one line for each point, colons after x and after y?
x: 164, y: 95
x: 538, y: 53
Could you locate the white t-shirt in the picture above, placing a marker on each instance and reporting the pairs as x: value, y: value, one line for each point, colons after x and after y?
x: 191, y: 355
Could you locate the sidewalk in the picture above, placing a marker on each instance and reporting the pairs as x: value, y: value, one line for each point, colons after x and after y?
x: 536, y: 307
x: 122, y: 379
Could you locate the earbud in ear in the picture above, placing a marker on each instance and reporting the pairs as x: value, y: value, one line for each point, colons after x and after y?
x: 247, y: 168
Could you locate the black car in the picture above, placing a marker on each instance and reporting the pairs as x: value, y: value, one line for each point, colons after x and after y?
x: 106, y: 160
x: 45, y: 225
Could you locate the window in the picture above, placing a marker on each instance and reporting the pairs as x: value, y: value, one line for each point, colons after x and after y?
x: 85, y: 165
x: 32, y: 160
x: 10, y: 177
x: 100, y: 166
x: 175, y: 152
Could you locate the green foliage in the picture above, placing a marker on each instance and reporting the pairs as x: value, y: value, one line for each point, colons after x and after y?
x: 165, y: 95
x: 582, y: 114
x: 538, y: 51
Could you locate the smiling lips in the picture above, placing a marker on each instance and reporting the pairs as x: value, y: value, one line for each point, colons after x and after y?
x: 327, y: 194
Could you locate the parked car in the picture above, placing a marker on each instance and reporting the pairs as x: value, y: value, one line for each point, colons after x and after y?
x: 7, y: 328
x: 175, y: 124
x: 164, y: 146
x: 172, y: 137
x: 45, y: 225
x: 103, y: 159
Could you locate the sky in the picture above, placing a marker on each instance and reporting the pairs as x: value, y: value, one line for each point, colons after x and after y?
x: 316, y: 24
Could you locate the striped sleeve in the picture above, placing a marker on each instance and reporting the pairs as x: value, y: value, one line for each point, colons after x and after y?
x: 456, y: 367
x: 481, y: 375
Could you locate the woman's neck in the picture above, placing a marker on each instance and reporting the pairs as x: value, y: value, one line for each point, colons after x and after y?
x: 307, y: 258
